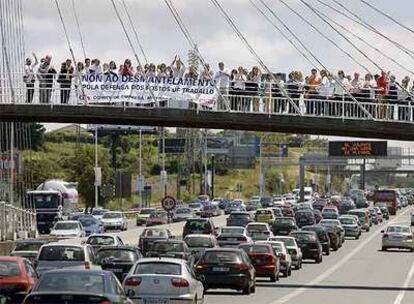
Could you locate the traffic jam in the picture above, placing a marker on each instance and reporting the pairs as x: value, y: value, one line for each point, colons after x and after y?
x: 86, y: 259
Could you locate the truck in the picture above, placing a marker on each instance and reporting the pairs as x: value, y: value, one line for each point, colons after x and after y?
x: 48, y: 205
x: 386, y: 197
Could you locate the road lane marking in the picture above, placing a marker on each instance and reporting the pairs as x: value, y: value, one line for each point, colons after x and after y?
x: 335, y: 267
x: 407, y: 281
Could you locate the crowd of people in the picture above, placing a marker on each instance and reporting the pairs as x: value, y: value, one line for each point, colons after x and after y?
x: 321, y: 92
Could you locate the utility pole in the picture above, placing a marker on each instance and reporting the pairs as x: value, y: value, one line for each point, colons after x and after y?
x: 213, y: 169
x: 261, y: 178
x: 205, y: 163
x: 141, y: 180
x: 12, y: 164
x: 97, y: 173
x: 164, y: 173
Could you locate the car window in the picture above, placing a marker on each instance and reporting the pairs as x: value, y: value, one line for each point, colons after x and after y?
x: 221, y: 257
x: 116, y: 254
x: 30, y: 270
x: 155, y: 232
x: 158, y: 268
x: 191, y: 271
x: 28, y: 246
x: 62, y: 253
x: 287, y: 241
x: 197, y: 225
x: 195, y: 241
x: 100, y: 240
x: 257, y: 228
x: 120, y: 240
x: 237, y: 231
x: 72, y: 282
x: 255, y: 248
x: 398, y: 229
x: 66, y: 226
x: 111, y: 215
x: 9, y: 269
x: 165, y: 247
x: 263, y: 212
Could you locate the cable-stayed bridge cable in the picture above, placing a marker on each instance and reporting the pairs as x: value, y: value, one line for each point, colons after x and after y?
x: 79, y: 28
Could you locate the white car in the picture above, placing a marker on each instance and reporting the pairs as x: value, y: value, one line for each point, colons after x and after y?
x: 293, y: 249
x: 216, y: 201
x: 68, y: 229
x: 98, y: 213
x: 398, y: 236
x: 114, y: 220
x: 283, y: 254
x: 259, y: 231
x: 69, y: 192
x: 239, y: 201
x: 165, y: 280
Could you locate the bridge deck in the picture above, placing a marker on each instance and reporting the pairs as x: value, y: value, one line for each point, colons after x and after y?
x: 188, y: 118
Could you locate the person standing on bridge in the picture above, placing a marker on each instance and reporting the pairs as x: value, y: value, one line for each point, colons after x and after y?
x: 29, y: 77
x: 383, y: 84
x: 222, y: 79
x: 178, y: 67
x: 65, y: 81
x: 46, y: 74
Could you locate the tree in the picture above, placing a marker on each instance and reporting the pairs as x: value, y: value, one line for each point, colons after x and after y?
x: 80, y: 167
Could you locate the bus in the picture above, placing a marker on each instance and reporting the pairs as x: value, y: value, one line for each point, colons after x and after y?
x: 386, y: 197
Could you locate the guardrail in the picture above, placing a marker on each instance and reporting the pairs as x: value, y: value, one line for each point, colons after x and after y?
x: 16, y: 223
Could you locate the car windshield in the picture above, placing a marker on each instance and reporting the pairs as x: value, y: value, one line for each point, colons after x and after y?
x: 347, y: 221
x: 255, y: 248
x: 147, y: 211
x: 216, y: 257
x: 87, y: 221
x: 196, y: 225
x: 304, y: 236
x: 225, y: 230
x: 257, y: 228
x: 164, y: 247
x: 199, y: 242
x: 239, y: 216
x: 100, y: 240
x: 9, y: 269
x: 66, y: 226
x: 287, y: 241
x: 328, y: 222
x: 158, y: 268
x: 117, y: 254
x: 82, y: 282
x: 99, y: 212
x: 263, y: 212
x: 277, y: 247
x: 154, y: 232
x: 62, y: 253
x: 398, y: 229
x: 183, y: 211
x: 41, y: 201
x: 111, y: 215
x: 284, y: 220
x: 28, y: 246
x: 194, y: 205
x: 158, y: 214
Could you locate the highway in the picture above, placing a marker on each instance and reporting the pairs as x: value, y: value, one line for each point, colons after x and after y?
x: 359, y: 272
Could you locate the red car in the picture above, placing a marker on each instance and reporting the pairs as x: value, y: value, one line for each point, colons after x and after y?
x: 157, y: 218
x: 264, y: 260
x: 17, y: 277
x: 288, y: 211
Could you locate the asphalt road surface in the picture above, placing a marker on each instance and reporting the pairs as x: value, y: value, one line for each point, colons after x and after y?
x: 358, y: 273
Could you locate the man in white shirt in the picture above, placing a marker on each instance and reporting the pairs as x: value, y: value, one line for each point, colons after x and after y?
x: 177, y: 67
x: 222, y: 79
x: 29, y: 77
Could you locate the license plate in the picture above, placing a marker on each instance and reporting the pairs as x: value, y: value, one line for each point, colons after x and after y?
x: 220, y: 269
x: 156, y: 301
x: 283, y: 231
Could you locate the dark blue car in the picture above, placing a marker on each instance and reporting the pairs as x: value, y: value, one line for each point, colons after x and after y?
x: 90, y: 224
x: 77, y: 286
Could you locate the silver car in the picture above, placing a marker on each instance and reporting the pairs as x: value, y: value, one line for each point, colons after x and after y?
x: 350, y: 224
x: 163, y: 280
x: 183, y: 214
x: 114, y: 220
x: 293, y: 249
x: 397, y: 236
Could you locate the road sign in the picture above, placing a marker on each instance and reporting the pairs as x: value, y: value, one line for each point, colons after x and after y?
x: 357, y: 148
x: 98, y: 176
x: 172, y: 146
x: 168, y: 203
x: 141, y: 183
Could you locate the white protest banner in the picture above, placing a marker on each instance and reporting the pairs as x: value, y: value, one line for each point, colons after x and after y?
x: 134, y: 89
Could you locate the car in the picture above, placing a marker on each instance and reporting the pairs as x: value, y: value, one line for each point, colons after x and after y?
x: 28, y: 248
x: 98, y: 213
x: 150, y: 235
x: 304, y: 217
x: 17, y: 278
x: 264, y: 259
x: 216, y: 201
x: 199, y: 226
x: 283, y: 255
x: 118, y: 259
x: 290, y: 199
x: 90, y: 224
x: 258, y: 231
x: 165, y: 280
x: 375, y: 218
x: 99, y: 240
x: 323, y: 237
x: 158, y: 217
x: 253, y: 205
x: 288, y: 211
x: 77, y: 286
x: 228, y: 268
x: 397, y: 236
x: 61, y: 255
x: 171, y: 249
x: 304, y: 206
x: 210, y: 211
x: 350, y: 225
x: 384, y: 210
x: 277, y: 211
x: 318, y: 215
x: 196, y: 207
x: 182, y: 214
x: 319, y: 204
x: 67, y: 229
x: 363, y: 216
x: 234, y: 207
x: 115, y: 220
x: 197, y: 243
x: 143, y: 215
x: 347, y: 204
x: 239, y: 219
x: 264, y: 216
x: 232, y: 237
x: 309, y: 244
x: 292, y: 247
x: 284, y: 225
x: 266, y: 201
x: 330, y: 213
x: 338, y: 225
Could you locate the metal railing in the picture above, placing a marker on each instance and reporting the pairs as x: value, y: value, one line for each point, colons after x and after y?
x: 16, y: 223
x: 266, y: 99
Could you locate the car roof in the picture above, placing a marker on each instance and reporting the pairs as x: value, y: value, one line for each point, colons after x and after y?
x: 44, y: 191
x: 12, y: 259
x: 101, y: 235
x: 118, y: 247
x: 169, y: 241
x: 162, y: 260
x: 221, y: 249
x: 89, y: 271
x: 55, y: 244
x: 33, y: 241
x: 204, y: 236
x: 68, y: 221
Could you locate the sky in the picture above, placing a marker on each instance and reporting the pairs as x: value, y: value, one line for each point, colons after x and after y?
x: 162, y: 40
